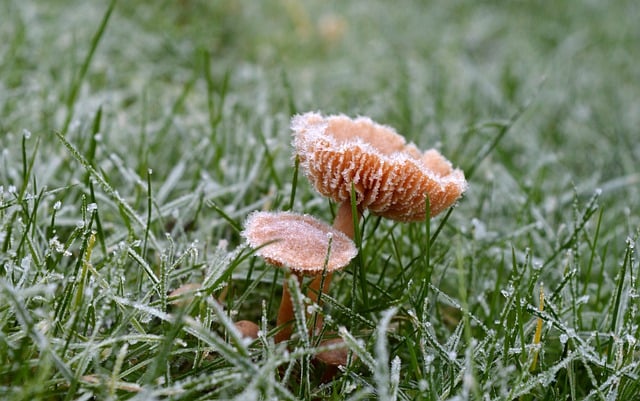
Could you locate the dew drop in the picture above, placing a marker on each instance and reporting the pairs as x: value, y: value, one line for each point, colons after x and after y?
x: 508, y: 292
x: 564, y: 338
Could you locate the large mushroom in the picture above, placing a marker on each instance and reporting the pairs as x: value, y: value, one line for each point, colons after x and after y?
x: 300, y: 243
x: 391, y: 178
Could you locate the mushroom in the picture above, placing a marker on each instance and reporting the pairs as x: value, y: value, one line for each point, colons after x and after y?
x: 247, y: 328
x: 300, y: 243
x: 332, y: 358
x: 183, y: 295
x: 391, y: 178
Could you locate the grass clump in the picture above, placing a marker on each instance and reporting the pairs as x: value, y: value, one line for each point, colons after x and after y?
x: 136, y: 138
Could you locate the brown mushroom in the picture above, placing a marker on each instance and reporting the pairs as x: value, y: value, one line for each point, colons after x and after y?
x: 332, y: 358
x: 247, y: 328
x: 300, y: 243
x: 391, y: 178
x: 183, y: 295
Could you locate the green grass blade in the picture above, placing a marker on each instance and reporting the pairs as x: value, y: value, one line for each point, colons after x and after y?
x: 77, y: 82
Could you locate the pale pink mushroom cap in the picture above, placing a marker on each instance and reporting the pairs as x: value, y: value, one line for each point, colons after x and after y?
x: 299, y: 242
x: 391, y: 178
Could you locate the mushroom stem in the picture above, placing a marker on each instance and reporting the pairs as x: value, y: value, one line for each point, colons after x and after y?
x: 344, y: 219
x: 343, y: 222
x: 285, y: 314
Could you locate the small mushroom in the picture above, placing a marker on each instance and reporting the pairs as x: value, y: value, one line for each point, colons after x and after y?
x: 332, y: 359
x: 183, y: 295
x: 300, y: 243
x: 391, y: 178
x: 247, y: 328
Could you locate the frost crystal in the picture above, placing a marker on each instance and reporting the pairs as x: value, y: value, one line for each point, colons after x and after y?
x: 564, y: 338
x: 631, y: 339
x: 507, y: 292
x: 582, y: 300
x: 313, y: 308
x: 349, y: 387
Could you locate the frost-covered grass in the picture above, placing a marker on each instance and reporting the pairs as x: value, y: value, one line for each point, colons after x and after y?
x: 135, y: 142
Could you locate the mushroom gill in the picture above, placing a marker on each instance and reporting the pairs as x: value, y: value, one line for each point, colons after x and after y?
x: 391, y: 178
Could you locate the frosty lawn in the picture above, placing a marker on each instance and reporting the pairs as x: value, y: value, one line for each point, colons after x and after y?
x: 137, y: 138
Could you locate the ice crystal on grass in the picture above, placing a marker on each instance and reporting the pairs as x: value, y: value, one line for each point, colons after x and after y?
x: 563, y: 338
x: 386, y: 378
x: 213, y: 138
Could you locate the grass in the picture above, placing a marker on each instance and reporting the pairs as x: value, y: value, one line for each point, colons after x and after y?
x: 137, y: 137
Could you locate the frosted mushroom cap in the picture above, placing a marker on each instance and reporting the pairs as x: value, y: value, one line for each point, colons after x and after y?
x: 299, y: 242
x: 391, y: 178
